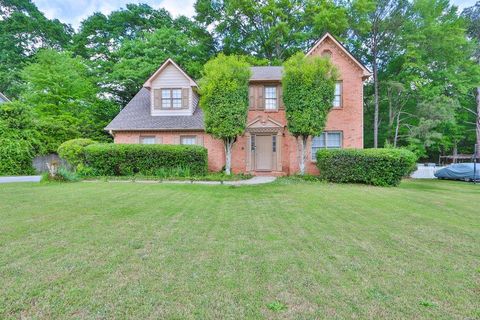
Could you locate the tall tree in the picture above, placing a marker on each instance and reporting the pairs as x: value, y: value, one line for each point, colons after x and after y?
x: 64, y: 99
x: 308, y: 91
x: 436, y: 62
x: 472, y: 15
x: 270, y: 29
x: 111, y: 44
x: 224, y: 100
x: 23, y: 31
x: 139, y: 58
x: 100, y: 36
x: 375, y: 26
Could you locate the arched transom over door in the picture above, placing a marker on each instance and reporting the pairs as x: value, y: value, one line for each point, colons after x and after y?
x: 264, y: 138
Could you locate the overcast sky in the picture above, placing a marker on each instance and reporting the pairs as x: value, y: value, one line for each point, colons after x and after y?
x: 74, y: 11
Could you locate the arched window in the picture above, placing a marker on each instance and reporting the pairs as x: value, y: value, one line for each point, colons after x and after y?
x: 327, y: 53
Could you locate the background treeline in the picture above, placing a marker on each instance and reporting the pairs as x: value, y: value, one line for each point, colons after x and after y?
x: 66, y: 84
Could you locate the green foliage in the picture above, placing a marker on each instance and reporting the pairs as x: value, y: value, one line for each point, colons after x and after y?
x: 224, y: 96
x: 133, y: 159
x: 435, y: 126
x: 99, y: 34
x: 139, y: 58
x: 74, y: 151
x: 276, y: 306
x: 424, y: 46
x: 23, y: 31
x: 19, y: 141
x: 15, y: 157
x: 379, y: 167
x: 308, y: 91
x: 270, y: 29
x: 64, y: 99
x: 65, y: 175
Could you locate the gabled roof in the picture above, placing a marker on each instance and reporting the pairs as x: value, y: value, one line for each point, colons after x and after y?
x: 136, y: 117
x: 366, y: 71
x: 148, y: 83
x: 2, y: 97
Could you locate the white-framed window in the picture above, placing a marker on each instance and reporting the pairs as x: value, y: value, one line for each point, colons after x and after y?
x: 171, y: 98
x: 271, y: 98
x: 337, y: 100
x: 147, y: 140
x: 188, y: 140
x: 327, y: 140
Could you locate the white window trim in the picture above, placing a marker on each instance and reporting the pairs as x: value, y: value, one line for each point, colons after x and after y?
x: 171, y: 99
x: 265, y: 97
x: 148, y: 137
x: 325, y: 143
x: 194, y: 137
x: 340, y: 82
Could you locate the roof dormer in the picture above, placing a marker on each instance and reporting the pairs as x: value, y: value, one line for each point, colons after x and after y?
x: 171, y: 91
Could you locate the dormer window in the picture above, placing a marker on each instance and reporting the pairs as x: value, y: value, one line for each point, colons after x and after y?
x: 171, y: 98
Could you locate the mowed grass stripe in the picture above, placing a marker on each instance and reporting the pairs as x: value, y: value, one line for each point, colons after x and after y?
x: 131, y: 250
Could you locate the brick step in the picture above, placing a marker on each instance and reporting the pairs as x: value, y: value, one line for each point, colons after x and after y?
x: 268, y: 173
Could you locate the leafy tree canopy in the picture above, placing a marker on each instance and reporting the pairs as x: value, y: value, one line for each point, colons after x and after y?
x: 64, y: 99
x: 308, y: 90
x: 224, y: 99
x: 270, y: 29
x: 224, y: 95
x: 139, y: 58
x: 23, y: 31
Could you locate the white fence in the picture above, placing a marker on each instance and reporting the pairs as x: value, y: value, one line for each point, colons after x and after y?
x: 425, y: 171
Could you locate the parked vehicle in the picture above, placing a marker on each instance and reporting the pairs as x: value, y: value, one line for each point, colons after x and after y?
x: 459, y: 171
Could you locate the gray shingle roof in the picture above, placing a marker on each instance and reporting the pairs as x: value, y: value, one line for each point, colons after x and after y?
x: 266, y: 73
x: 136, y: 116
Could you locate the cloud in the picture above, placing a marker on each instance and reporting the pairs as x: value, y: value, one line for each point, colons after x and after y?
x: 74, y: 11
x: 462, y: 4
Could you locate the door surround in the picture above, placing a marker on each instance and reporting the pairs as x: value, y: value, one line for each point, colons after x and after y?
x: 264, y: 127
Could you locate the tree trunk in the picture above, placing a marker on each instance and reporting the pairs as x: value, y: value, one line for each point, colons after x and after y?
x: 303, y: 153
x: 228, y: 143
x: 397, y: 126
x: 375, y: 88
x: 478, y: 121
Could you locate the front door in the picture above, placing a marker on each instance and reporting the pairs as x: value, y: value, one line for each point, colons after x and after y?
x: 263, y: 152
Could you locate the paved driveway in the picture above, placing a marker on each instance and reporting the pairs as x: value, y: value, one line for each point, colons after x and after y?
x: 20, y: 179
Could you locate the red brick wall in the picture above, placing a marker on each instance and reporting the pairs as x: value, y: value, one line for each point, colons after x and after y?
x: 348, y: 119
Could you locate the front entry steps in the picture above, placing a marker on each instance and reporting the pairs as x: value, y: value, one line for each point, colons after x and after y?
x: 268, y: 173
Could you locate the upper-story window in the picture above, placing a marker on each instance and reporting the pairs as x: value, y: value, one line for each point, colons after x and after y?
x: 337, y: 100
x: 271, y: 101
x: 171, y: 98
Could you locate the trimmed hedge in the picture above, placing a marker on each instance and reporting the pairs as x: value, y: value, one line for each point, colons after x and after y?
x: 379, y: 167
x: 74, y: 150
x: 130, y: 159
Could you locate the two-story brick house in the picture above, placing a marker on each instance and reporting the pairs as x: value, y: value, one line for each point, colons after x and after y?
x: 166, y: 111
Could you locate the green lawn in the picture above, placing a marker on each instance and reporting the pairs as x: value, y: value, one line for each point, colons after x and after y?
x: 279, y: 251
